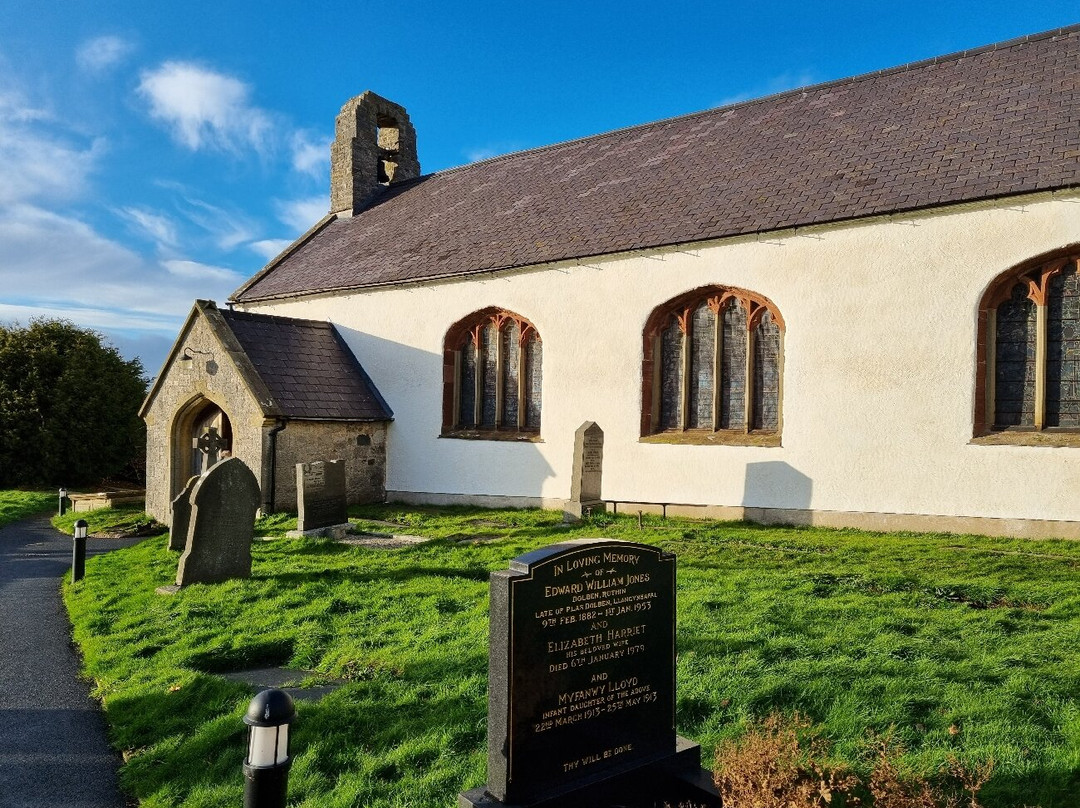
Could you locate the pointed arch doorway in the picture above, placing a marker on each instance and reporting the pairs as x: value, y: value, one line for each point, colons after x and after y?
x: 202, y: 436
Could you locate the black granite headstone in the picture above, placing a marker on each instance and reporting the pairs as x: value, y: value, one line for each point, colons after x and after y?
x: 582, y: 668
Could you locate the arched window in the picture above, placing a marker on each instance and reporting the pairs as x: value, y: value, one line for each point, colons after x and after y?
x: 712, y: 368
x: 492, y: 374
x: 1029, y: 349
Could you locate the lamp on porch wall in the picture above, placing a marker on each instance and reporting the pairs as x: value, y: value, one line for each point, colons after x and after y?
x: 187, y: 359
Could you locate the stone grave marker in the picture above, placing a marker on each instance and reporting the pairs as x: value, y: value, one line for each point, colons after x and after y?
x: 223, y: 505
x: 581, y: 690
x: 588, y: 467
x: 320, y: 497
x: 181, y: 516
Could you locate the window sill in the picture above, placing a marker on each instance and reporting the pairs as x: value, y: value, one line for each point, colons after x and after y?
x: 493, y: 434
x: 1029, y: 437
x: 723, y: 437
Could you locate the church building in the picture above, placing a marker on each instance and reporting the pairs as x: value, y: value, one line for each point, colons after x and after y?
x: 852, y: 304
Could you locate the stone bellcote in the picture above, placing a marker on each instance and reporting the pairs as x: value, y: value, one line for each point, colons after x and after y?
x: 374, y: 147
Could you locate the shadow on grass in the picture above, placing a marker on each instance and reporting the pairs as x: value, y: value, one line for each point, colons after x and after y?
x: 1045, y: 787
x: 224, y: 660
x: 396, y: 575
x: 367, y: 736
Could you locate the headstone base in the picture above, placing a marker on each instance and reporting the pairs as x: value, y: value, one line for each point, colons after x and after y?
x: 171, y: 589
x: 677, y: 780
x: 574, y: 511
x: 336, y: 532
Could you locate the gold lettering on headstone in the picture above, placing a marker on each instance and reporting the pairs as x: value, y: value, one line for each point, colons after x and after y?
x: 601, y: 595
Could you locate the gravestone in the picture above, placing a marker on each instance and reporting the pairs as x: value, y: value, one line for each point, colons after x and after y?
x: 223, y: 505
x: 181, y: 516
x: 320, y: 497
x: 581, y: 689
x: 588, y: 467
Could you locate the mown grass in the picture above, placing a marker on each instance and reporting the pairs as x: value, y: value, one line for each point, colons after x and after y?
x: 15, y: 505
x: 961, y: 646
x: 111, y: 522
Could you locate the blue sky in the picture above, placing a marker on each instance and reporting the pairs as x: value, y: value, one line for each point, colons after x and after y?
x: 153, y: 153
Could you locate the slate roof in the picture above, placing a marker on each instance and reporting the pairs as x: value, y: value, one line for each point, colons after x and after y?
x: 307, y: 368
x: 981, y: 124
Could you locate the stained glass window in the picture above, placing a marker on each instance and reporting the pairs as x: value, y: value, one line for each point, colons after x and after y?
x: 671, y: 386
x: 467, y: 387
x: 1015, y: 360
x: 1032, y: 349
x: 733, y: 367
x: 1063, y: 351
x: 490, y: 336
x: 534, y: 356
x: 689, y: 388
x: 702, y: 367
x: 499, y: 358
x: 511, y: 335
x: 766, y: 414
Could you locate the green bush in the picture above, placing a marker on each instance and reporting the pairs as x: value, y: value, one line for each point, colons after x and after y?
x: 68, y: 406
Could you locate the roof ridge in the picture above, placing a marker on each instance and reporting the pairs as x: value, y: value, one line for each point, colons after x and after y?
x: 847, y: 152
x: 902, y: 68
x: 254, y: 315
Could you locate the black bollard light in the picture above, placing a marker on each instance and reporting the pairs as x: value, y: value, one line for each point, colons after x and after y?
x: 78, y: 552
x: 63, y: 501
x: 266, y: 769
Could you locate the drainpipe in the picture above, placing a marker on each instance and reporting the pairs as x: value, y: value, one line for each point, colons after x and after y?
x: 272, y: 434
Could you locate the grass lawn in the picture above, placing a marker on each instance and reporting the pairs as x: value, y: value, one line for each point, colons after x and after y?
x: 111, y: 522
x: 962, y: 646
x: 15, y: 505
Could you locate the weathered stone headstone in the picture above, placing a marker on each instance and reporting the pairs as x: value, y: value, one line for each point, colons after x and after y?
x: 588, y: 467
x: 223, y: 506
x: 581, y: 690
x: 181, y: 516
x: 320, y: 495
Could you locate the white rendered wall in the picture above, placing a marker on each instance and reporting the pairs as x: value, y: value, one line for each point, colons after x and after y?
x: 878, y: 375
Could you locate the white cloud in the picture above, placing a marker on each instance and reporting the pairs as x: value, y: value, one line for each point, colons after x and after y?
x: 50, y: 261
x: 205, y: 108
x: 45, y: 251
x: 15, y: 109
x: 53, y: 263
x: 777, y: 84
x: 310, y: 157
x: 37, y: 163
x: 301, y: 214
x: 493, y: 150
x: 89, y: 317
x: 99, y: 54
x: 157, y: 226
x: 228, y: 229
x: 193, y: 270
x: 269, y: 247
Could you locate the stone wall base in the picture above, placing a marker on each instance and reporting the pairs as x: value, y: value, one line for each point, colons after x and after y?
x: 476, y: 500
x: 861, y: 520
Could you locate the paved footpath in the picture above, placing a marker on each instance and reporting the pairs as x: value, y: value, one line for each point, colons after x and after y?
x: 53, y: 750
